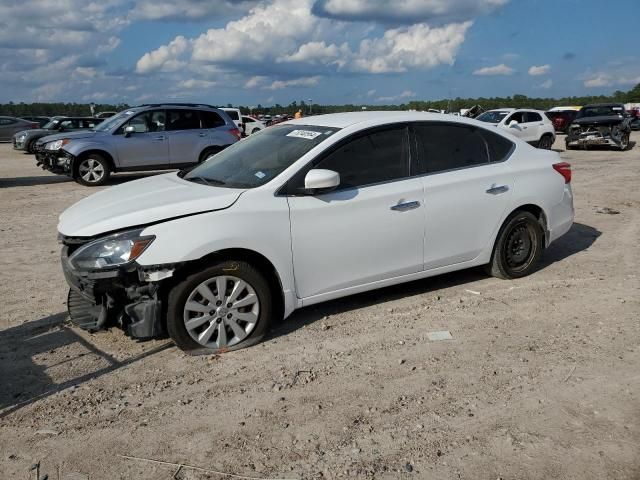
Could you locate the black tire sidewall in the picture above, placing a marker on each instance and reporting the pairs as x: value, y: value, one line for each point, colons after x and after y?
x: 103, y: 162
x: 499, y: 267
x: 180, y: 292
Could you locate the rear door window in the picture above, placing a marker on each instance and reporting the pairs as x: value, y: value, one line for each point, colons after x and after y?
x: 444, y: 147
x: 183, y: 120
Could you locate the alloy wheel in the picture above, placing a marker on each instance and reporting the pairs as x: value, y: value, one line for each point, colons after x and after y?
x: 221, y: 312
x: 91, y: 170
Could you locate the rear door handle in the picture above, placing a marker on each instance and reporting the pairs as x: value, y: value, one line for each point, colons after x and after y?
x: 202, y: 134
x: 160, y: 137
x: 498, y: 189
x: 402, y: 207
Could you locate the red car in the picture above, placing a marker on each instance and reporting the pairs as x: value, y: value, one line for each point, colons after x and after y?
x: 561, y: 119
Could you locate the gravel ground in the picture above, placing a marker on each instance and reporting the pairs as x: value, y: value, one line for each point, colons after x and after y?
x: 541, y: 378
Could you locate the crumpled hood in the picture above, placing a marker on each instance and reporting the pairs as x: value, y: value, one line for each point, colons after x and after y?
x: 142, y: 202
x: 72, y: 135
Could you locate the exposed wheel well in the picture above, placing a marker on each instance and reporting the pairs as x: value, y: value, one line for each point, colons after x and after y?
x: 208, y: 151
x: 256, y: 259
x: 102, y: 153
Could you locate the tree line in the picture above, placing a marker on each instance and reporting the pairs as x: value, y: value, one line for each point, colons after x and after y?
x: 450, y: 105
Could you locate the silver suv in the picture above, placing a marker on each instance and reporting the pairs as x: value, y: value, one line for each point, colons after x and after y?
x: 147, y: 137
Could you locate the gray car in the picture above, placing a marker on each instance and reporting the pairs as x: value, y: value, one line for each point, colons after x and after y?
x: 147, y: 137
x: 10, y: 125
x: 26, y: 139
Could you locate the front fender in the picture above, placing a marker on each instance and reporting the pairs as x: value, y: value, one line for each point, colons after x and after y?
x: 260, y: 227
x: 79, y: 147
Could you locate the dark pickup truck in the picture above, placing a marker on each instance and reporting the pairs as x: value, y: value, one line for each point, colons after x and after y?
x: 600, y: 124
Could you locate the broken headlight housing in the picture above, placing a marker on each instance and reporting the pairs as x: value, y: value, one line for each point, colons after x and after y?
x: 112, y: 251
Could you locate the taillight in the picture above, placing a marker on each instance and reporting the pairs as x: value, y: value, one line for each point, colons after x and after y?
x: 236, y: 133
x: 563, y: 169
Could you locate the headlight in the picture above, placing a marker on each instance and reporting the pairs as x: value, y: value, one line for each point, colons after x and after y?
x: 22, y: 137
x: 111, y: 251
x: 57, y: 145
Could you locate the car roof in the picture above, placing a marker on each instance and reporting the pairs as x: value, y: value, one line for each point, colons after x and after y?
x: 347, y: 119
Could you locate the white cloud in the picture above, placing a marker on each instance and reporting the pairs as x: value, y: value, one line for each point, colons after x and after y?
x: 256, y: 81
x: 193, y: 83
x: 416, y: 47
x: 404, y: 95
x: 501, y: 69
x: 547, y: 84
x: 601, y: 79
x: 164, y: 58
x: 540, y: 70
x: 296, y: 82
x: 406, y: 11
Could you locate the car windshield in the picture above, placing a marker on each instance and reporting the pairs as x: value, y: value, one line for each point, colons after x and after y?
x: 494, y: 116
x: 601, y: 111
x: 259, y: 158
x: 110, y: 122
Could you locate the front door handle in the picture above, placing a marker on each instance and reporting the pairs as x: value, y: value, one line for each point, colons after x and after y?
x: 202, y: 134
x: 498, y: 189
x: 403, y: 207
x: 160, y: 137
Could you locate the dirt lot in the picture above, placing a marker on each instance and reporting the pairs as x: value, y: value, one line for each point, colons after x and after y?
x: 541, y: 379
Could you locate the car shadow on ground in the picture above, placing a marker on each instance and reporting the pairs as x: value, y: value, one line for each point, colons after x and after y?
x: 30, y: 350
x: 116, y: 179
x: 578, y: 239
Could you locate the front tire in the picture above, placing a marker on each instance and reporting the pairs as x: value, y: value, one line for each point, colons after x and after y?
x: 93, y: 171
x: 546, y: 142
x: 518, y: 247
x: 225, y: 307
x: 624, y: 142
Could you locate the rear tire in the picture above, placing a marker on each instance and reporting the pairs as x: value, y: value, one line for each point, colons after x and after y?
x: 93, y: 171
x: 226, y: 327
x: 518, y: 247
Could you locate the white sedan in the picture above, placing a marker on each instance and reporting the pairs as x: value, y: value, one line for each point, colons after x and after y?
x: 308, y: 211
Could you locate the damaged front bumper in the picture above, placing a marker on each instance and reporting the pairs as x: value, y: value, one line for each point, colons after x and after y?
x: 588, y: 136
x: 55, y: 161
x: 129, y: 296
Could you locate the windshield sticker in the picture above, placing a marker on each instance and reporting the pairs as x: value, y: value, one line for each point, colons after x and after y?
x: 260, y: 175
x: 328, y: 132
x: 308, y: 134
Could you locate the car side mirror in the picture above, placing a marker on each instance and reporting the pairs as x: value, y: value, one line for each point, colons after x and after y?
x: 513, y: 124
x: 320, y: 180
x: 128, y: 130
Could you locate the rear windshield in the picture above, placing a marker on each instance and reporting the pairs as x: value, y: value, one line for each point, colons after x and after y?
x: 492, y: 117
x: 259, y: 158
x: 601, y: 111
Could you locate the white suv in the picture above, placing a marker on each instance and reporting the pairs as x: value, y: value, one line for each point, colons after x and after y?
x: 532, y: 126
x: 308, y: 211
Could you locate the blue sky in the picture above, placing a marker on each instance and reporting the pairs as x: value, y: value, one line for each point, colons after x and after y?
x: 252, y: 52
